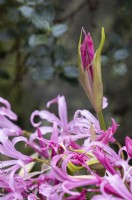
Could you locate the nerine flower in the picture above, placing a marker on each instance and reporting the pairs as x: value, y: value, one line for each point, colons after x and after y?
x: 116, y: 186
x: 5, y: 113
x: 70, y: 163
x: 10, y: 180
x: 7, y: 147
x: 69, y: 182
x: 128, y: 143
x: 90, y: 69
x: 62, y: 132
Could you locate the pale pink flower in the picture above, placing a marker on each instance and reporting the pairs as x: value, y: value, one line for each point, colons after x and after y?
x: 128, y: 143
x: 5, y: 113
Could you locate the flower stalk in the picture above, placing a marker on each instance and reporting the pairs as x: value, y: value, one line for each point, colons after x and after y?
x: 101, y: 120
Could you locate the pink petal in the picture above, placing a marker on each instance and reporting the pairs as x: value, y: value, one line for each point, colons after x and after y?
x: 87, y: 115
x: 43, y: 115
x: 62, y: 109
x: 117, y: 184
x: 105, y: 102
x: 128, y: 143
x: 6, y: 123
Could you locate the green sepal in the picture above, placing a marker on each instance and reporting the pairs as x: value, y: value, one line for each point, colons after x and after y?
x: 97, y: 77
x: 73, y: 168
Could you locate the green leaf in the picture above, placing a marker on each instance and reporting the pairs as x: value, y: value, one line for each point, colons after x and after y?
x: 59, y: 29
x: 49, y: 13
x: 40, y: 22
x: 21, y: 1
x: 120, y: 69
x: 43, y: 74
x: 2, y: 2
x: 60, y: 55
x: 47, y: 73
x: 37, y: 40
x: 31, y: 61
x: 7, y: 35
x: 32, y: 2
x: 121, y: 54
x: 26, y: 11
x: 71, y: 72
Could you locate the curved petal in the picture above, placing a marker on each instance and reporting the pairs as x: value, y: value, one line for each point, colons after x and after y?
x: 44, y: 115
x: 86, y: 114
x: 62, y: 109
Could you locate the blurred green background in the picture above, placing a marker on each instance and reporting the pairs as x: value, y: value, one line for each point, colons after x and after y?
x: 38, y: 55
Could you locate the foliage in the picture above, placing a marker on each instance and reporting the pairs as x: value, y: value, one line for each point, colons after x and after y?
x: 30, y: 30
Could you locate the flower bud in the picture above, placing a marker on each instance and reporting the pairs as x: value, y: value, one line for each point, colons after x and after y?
x: 90, y: 69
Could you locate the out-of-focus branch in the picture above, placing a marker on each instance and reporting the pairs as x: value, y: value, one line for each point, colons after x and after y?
x: 91, y: 4
x: 72, y: 14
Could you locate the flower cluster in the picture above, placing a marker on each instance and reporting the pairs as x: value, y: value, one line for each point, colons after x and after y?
x: 75, y: 160
x: 68, y: 160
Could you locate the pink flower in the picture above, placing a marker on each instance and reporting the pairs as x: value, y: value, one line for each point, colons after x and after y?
x: 13, y: 184
x: 81, y: 196
x: 104, y: 160
x: 70, y: 182
x: 128, y: 143
x: 117, y: 187
x: 5, y: 113
x: 108, y: 197
x: 62, y: 132
x: 7, y: 147
x: 32, y: 197
x: 107, y: 136
x: 62, y: 121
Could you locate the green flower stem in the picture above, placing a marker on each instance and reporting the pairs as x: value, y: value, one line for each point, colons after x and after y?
x: 101, y: 120
x: 26, y: 134
x: 47, y: 162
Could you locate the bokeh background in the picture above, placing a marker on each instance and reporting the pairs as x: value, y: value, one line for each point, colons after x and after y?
x: 38, y: 55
